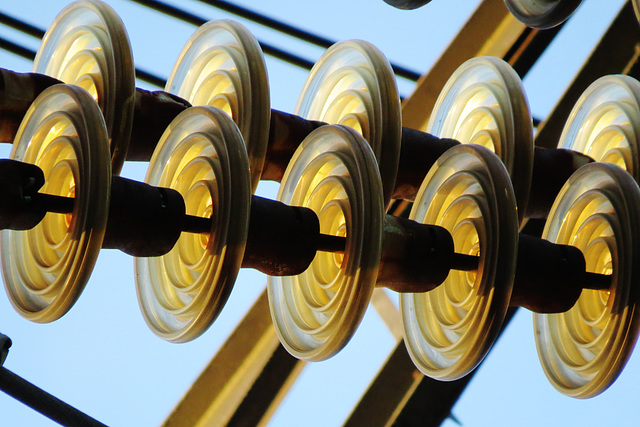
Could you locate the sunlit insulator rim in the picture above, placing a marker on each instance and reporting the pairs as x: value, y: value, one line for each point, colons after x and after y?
x: 44, y: 282
x: 247, y: 96
x: 116, y: 74
x: 582, y: 357
x: 542, y: 15
x: 472, y: 183
x: 605, y: 123
x: 202, y: 156
x: 333, y: 172
x: 377, y: 90
x: 503, y: 103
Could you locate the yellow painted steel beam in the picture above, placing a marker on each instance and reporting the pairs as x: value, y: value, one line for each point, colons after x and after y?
x: 224, y: 385
x: 402, y: 395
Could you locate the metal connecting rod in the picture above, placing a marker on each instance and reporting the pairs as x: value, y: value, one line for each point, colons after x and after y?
x: 38, y: 399
x: 147, y: 221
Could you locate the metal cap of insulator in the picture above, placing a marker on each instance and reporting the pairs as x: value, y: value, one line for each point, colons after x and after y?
x: 286, y: 133
x: 154, y: 111
x: 420, y: 151
x: 17, y: 93
x: 551, y: 169
x: 283, y: 240
x: 144, y: 220
x: 549, y: 277
x: 407, y: 4
x: 415, y: 257
x: 19, y: 185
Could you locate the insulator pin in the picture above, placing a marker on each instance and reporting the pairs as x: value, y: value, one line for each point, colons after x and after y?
x: 551, y: 169
x: 415, y: 257
x: 549, y: 276
x: 283, y: 240
x: 144, y: 220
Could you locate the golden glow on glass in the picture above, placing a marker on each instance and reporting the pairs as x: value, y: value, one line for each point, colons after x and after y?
x: 353, y: 84
x: 222, y: 66
x: 583, y: 350
x: 484, y: 103
x: 88, y: 46
x: 449, y: 330
x: 201, y: 156
x: 333, y: 173
x: 46, y: 268
x: 80, y: 65
x: 605, y: 123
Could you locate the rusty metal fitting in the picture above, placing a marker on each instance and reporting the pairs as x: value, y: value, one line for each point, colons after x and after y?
x: 283, y: 240
x: 549, y: 277
x: 17, y: 93
x: 19, y: 185
x: 415, y: 257
x: 143, y: 220
x: 551, y: 169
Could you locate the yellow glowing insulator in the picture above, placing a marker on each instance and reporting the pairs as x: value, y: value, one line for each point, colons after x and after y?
x: 484, y: 103
x: 583, y: 350
x: 449, y: 330
x: 542, y: 14
x: 334, y: 173
x: 605, y: 123
x: 222, y: 65
x: 46, y: 268
x: 202, y: 156
x: 353, y: 84
x: 87, y: 45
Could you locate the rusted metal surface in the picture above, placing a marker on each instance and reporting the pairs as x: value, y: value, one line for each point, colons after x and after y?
x: 418, y: 153
x: 17, y: 93
x: 549, y: 277
x: 286, y: 132
x: 153, y: 110
x: 415, y: 257
x: 19, y: 184
x: 282, y: 240
x: 153, y: 113
x: 143, y: 220
x: 551, y: 169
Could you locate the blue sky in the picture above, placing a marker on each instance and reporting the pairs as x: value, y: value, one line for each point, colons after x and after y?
x: 101, y: 357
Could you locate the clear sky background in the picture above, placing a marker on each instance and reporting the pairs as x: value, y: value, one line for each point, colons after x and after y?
x: 101, y: 357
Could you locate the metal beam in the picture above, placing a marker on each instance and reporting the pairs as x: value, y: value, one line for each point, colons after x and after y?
x: 490, y: 31
x: 402, y: 395
x: 249, y: 359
